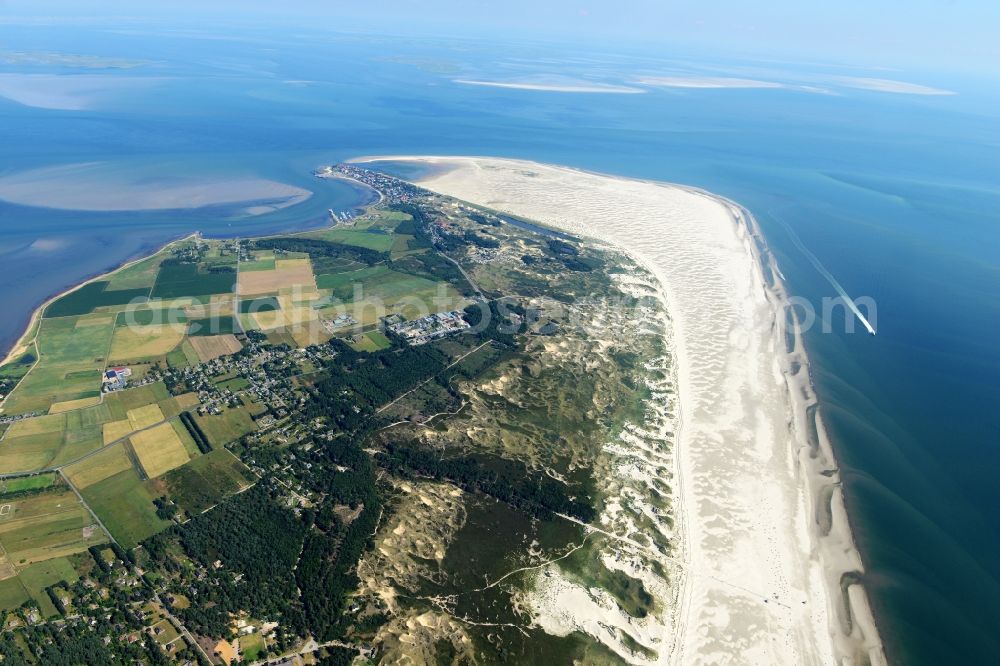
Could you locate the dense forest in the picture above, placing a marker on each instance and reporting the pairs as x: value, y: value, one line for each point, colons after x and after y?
x: 357, y: 383
x: 503, y: 321
x: 196, y: 432
x: 509, y: 481
x: 256, y: 541
x: 286, y: 550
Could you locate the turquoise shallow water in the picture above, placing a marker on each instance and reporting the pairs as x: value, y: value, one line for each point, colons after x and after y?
x: 895, y: 195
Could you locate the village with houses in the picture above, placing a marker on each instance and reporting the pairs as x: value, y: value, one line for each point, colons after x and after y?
x: 221, y: 443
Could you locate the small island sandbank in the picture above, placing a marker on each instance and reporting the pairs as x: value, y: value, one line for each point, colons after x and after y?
x: 558, y: 85
x: 101, y: 187
x: 765, y: 567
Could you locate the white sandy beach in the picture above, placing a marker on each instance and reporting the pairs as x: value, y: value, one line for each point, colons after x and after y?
x: 763, y: 536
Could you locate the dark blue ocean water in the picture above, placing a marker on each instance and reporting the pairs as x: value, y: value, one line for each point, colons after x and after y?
x: 896, y: 195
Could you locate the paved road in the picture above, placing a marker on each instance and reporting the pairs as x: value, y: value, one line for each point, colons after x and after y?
x: 464, y: 274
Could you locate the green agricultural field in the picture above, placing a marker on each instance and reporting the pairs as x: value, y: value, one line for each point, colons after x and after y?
x: 159, y: 450
x: 20, y: 484
x: 183, y: 356
x: 33, y: 581
x: 43, y: 526
x: 12, y: 593
x: 135, y: 344
x: 121, y: 401
x: 221, y: 325
x: 190, y: 446
x: 93, y: 295
x: 125, y: 506
x: 148, y: 316
x: 103, y: 464
x: 402, y: 244
x: 39, y: 576
x: 234, y: 384
x: 206, y: 480
x: 72, y: 353
x: 372, y: 239
x: 176, y: 358
x: 258, y: 265
x: 47, y: 441
x: 344, y: 282
x: 410, y: 295
x: 18, y: 367
x: 173, y: 406
x: 176, y: 280
x: 220, y: 429
x: 334, y: 265
x: 78, y: 443
x: 281, y: 336
x: 30, y: 452
x: 389, y: 286
x: 259, y: 304
x: 190, y: 353
x: 140, y: 274
x: 91, y: 416
x: 371, y: 341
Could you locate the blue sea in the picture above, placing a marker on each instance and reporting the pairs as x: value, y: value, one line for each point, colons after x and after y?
x: 895, y: 194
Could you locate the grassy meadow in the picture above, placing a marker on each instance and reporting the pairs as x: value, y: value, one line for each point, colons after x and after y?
x: 190, y: 303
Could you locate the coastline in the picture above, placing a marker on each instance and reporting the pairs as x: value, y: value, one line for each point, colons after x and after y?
x: 22, y: 341
x: 768, y: 566
x: 26, y: 338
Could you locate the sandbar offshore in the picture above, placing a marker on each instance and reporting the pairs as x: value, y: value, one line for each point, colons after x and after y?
x: 98, y: 187
x: 74, y: 246
x: 766, y: 565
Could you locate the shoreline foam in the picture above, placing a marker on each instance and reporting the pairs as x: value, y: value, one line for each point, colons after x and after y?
x: 765, y: 537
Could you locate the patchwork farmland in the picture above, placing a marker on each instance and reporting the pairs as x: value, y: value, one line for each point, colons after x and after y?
x: 110, y: 436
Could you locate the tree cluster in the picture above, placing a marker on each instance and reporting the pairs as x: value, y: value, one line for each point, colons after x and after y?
x: 321, y: 248
x: 509, y: 481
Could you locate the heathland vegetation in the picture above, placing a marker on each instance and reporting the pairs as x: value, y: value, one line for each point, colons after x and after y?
x: 245, y: 488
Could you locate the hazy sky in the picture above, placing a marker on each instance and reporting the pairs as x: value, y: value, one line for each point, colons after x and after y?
x: 960, y: 35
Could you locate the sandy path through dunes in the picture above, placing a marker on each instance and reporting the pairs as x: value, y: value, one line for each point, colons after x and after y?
x: 760, y: 577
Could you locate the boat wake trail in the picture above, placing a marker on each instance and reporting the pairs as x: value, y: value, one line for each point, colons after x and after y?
x: 821, y: 269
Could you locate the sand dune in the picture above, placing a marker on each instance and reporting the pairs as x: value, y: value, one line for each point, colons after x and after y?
x: 764, y: 537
